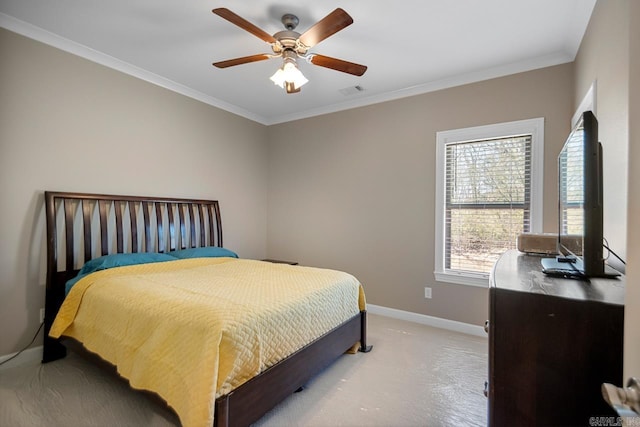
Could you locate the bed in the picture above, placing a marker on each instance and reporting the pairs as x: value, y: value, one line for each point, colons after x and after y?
x: 304, y: 319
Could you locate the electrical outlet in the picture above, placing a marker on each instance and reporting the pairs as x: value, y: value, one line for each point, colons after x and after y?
x: 41, y: 315
x: 427, y: 292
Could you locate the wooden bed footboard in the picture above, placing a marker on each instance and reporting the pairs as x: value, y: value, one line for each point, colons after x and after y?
x: 249, y: 402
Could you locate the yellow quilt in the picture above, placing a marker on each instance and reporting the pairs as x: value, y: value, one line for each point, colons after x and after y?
x: 193, y: 330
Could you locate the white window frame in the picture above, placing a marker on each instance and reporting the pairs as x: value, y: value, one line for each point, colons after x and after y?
x: 588, y: 103
x: 533, y: 127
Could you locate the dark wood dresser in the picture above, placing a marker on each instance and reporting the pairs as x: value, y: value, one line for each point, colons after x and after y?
x: 552, y: 343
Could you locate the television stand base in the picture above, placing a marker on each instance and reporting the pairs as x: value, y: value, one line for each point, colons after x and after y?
x: 565, y: 268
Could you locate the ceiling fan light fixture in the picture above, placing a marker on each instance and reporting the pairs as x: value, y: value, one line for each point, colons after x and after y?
x: 289, y: 75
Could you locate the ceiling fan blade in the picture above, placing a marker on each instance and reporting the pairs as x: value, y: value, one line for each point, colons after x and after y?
x: 327, y: 26
x: 338, y: 64
x: 225, y: 13
x: 243, y: 60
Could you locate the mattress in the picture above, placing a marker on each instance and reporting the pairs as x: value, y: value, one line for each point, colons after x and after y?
x: 193, y: 330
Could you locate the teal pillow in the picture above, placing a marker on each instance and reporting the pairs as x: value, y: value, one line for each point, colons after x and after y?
x: 117, y: 260
x: 204, y: 252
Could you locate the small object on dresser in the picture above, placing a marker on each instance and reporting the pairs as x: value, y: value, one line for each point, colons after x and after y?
x: 537, y: 243
x: 546, y: 243
x: 279, y: 261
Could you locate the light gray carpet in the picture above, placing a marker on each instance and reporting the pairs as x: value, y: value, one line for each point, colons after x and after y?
x: 415, y: 376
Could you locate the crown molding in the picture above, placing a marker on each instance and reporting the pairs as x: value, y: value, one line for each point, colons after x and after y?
x: 51, y: 39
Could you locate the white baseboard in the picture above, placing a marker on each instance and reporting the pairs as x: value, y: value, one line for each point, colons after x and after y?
x: 437, y: 322
x: 30, y: 355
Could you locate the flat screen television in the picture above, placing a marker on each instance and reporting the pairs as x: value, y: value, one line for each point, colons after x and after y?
x: 580, y: 205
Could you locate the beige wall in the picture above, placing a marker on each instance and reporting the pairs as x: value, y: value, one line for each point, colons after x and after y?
x: 604, y: 57
x: 355, y: 190
x: 71, y: 125
x: 610, y: 54
x: 632, y: 306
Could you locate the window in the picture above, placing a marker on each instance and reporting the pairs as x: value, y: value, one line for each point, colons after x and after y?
x: 488, y: 190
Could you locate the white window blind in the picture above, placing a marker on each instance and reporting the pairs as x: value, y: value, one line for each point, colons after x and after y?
x: 487, y: 200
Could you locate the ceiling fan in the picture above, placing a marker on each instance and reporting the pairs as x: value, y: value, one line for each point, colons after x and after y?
x: 291, y: 45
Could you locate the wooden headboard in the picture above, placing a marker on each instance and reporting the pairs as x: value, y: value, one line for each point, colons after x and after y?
x: 81, y: 227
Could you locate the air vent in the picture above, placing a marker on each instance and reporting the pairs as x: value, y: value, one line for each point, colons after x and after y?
x: 352, y: 90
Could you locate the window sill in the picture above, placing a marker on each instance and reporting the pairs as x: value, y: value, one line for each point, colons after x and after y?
x: 479, y: 280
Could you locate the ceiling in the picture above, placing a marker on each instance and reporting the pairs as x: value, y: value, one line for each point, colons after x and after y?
x: 409, y: 46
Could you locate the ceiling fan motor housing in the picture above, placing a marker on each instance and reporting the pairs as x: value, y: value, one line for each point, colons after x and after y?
x: 290, y: 21
x: 288, y: 40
